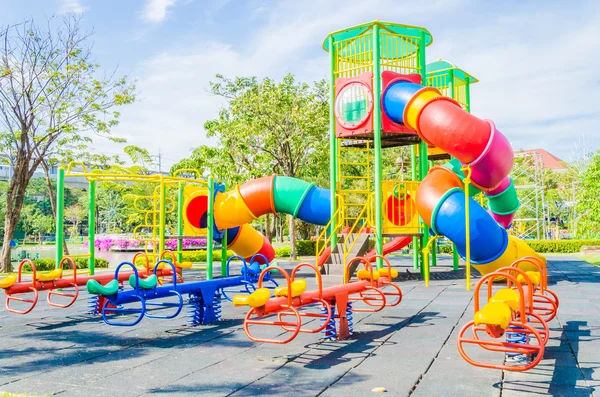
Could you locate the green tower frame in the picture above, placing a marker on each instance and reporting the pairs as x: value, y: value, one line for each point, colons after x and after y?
x: 374, y: 47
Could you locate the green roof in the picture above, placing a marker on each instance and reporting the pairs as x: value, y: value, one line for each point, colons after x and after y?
x: 440, y: 66
x: 402, y: 30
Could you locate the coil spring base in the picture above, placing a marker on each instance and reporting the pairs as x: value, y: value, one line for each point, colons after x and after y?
x: 350, y: 317
x: 216, y: 304
x: 93, y: 305
x: 329, y: 333
x: 514, y: 336
x: 194, y: 310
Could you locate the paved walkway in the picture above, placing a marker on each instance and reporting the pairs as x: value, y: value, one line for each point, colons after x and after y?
x: 409, y: 349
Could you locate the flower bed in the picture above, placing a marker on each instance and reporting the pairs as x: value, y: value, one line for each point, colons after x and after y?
x: 119, y: 244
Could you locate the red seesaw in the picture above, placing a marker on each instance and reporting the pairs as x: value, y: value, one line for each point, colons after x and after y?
x: 516, y: 311
x: 291, y: 299
x: 53, y: 281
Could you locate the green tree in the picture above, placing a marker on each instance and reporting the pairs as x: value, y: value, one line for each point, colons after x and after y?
x: 267, y: 127
x: 588, y: 200
x: 52, y: 93
x: 34, y: 221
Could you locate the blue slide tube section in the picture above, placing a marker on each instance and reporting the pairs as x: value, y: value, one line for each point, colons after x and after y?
x: 395, y: 98
x: 488, y: 239
x: 316, y: 208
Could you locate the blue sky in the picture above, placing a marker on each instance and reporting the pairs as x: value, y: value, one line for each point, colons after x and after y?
x: 536, y: 60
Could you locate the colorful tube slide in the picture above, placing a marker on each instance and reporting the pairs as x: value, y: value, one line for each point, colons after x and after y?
x: 393, y: 245
x: 235, y: 209
x: 441, y: 121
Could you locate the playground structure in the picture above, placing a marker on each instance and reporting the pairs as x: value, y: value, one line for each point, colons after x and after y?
x: 170, y: 198
x: 383, y: 95
x: 294, y: 303
x: 364, y: 61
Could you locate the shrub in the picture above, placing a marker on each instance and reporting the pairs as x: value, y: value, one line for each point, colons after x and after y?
x: 50, y: 264
x: 444, y: 248
x: 194, y: 257
x: 284, y: 252
x: 306, y: 247
x: 560, y: 246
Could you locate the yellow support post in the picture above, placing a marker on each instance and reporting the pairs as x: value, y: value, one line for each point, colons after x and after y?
x: 467, y: 182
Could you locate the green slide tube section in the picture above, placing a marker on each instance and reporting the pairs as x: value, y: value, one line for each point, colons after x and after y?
x: 505, y: 203
x: 455, y: 166
x: 289, y: 193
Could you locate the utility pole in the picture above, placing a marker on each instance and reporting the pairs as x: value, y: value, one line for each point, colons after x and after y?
x: 159, y: 162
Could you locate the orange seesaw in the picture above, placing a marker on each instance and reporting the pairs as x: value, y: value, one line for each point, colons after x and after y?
x: 54, y: 282
x: 292, y: 303
x: 520, y: 311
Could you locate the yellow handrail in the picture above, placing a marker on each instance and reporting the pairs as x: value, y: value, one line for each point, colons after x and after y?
x: 352, y: 230
x: 72, y: 163
x: 191, y: 170
x: 426, y: 252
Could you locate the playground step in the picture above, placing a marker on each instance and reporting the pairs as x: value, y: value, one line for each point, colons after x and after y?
x: 335, y: 263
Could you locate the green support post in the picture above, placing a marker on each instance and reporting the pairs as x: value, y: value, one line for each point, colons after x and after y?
x: 180, y: 222
x: 333, y: 160
x: 224, y: 253
x: 423, y: 162
x: 468, y: 96
x: 413, y: 164
x: 92, y: 227
x: 209, y: 227
x: 454, y: 257
x: 377, y: 147
x: 451, y: 83
x: 60, y: 215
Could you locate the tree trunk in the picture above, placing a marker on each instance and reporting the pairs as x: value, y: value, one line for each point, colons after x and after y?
x: 280, y: 229
x: 292, y: 229
x: 268, y: 233
x: 14, y: 204
x: 52, y: 200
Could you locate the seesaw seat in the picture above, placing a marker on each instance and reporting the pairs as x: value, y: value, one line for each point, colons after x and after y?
x: 498, y: 311
x: 298, y: 288
x: 534, y: 277
x: 8, y: 281
x: 94, y: 287
x: 145, y: 283
x: 49, y: 276
x: 257, y: 298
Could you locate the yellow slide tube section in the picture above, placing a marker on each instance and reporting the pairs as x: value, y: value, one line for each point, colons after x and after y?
x: 247, y: 242
x: 231, y: 210
x: 515, y: 250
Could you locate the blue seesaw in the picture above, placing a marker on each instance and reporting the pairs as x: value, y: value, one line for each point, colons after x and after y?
x: 203, y: 297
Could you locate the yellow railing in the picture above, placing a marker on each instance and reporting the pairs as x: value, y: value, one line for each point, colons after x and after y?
x: 359, y: 226
x: 355, y: 55
x: 399, y: 207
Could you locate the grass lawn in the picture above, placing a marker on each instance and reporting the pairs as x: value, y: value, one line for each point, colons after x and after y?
x: 3, y: 394
x: 594, y: 259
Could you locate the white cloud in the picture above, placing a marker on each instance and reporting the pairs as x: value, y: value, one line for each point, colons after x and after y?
x: 173, y: 102
x: 535, y: 72
x: 155, y: 11
x: 70, y: 6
